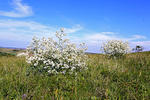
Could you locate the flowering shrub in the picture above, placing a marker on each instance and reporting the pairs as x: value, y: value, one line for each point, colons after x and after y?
x: 53, y: 57
x: 115, y: 48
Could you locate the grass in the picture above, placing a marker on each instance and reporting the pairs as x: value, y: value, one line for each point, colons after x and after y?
x: 121, y: 79
x: 7, y: 54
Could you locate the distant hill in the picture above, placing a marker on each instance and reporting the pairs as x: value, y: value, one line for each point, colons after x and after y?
x: 13, y: 48
x: 14, y: 51
x: 7, y: 51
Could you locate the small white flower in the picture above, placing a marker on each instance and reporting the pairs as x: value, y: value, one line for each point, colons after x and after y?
x: 35, y: 64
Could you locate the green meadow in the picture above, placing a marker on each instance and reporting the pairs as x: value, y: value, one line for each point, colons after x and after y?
x: 105, y: 79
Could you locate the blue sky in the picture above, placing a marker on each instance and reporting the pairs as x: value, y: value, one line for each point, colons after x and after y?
x: 89, y: 21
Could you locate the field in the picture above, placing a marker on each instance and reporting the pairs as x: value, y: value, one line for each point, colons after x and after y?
x: 121, y: 79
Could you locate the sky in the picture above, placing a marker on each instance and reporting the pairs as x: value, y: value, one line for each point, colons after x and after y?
x: 89, y: 21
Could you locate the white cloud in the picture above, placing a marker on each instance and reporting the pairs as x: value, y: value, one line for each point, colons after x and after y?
x: 25, y: 30
x: 14, y: 33
x: 145, y: 44
x: 20, y: 10
x: 103, y: 36
x: 94, y: 40
x: 136, y: 37
x: 108, y: 33
x: 73, y: 29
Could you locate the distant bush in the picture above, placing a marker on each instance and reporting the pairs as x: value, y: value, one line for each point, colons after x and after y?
x: 115, y: 48
x: 15, y: 50
x: 54, y: 57
x: 138, y: 48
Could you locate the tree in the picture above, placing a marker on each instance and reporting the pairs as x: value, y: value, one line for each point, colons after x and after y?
x: 138, y: 48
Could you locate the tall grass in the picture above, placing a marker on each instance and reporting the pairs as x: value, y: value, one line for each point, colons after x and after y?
x: 124, y: 78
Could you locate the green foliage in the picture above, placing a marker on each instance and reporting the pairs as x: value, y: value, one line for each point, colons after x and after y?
x: 7, y: 54
x: 122, y: 79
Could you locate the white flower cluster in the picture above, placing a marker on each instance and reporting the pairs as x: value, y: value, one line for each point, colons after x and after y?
x: 115, y: 48
x: 55, y: 57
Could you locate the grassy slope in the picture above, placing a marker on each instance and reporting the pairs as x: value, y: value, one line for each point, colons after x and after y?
x: 9, y: 52
x: 126, y: 78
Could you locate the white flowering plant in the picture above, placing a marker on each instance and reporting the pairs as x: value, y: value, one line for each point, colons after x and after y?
x: 51, y: 56
x: 115, y: 48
